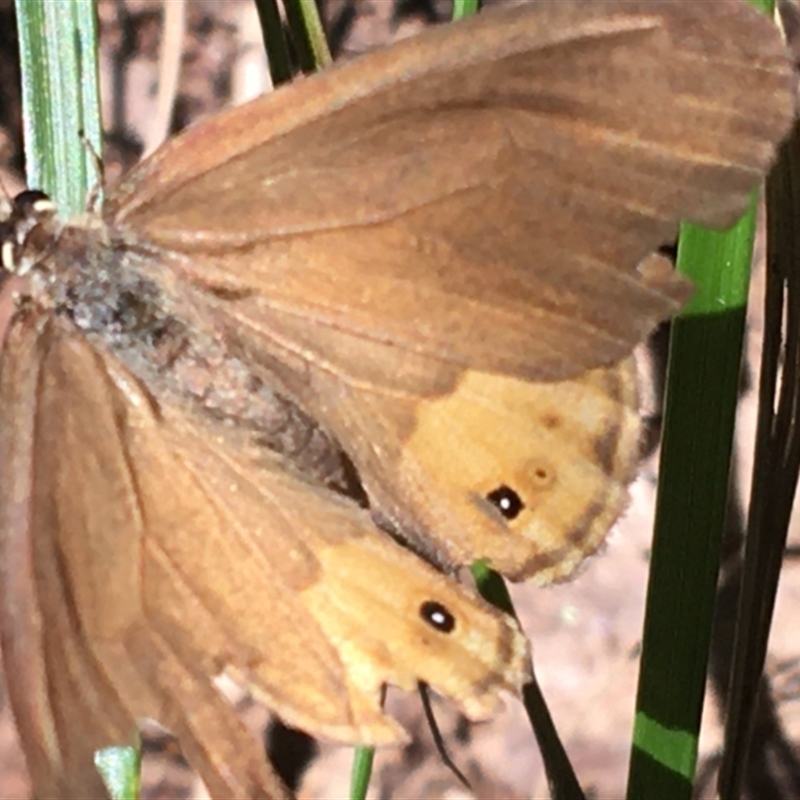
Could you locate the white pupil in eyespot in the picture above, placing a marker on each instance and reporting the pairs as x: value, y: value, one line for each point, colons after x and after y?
x: 437, y: 616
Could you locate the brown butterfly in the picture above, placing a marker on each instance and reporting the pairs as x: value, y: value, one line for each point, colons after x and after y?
x: 437, y: 253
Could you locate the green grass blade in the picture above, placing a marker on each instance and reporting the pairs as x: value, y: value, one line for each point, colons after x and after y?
x: 561, y: 778
x: 61, y: 103
x: 700, y: 409
x: 60, y: 97
x: 120, y: 768
x: 308, y: 34
x: 361, y: 772
x: 463, y: 8
x: 280, y: 62
x: 775, y: 467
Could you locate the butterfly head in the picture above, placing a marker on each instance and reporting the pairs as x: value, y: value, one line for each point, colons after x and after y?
x: 27, y: 227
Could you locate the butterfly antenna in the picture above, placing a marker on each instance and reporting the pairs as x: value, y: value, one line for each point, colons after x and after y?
x: 93, y: 198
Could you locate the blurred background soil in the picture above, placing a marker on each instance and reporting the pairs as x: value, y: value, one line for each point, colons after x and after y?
x: 585, y: 633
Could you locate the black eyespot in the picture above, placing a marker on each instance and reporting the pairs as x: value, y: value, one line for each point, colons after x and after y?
x: 437, y: 616
x: 507, y: 501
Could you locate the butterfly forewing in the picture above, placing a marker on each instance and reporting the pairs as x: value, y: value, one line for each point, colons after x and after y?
x: 483, y: 193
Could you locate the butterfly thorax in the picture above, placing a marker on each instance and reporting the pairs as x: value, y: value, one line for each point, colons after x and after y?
x: 90, y: 276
